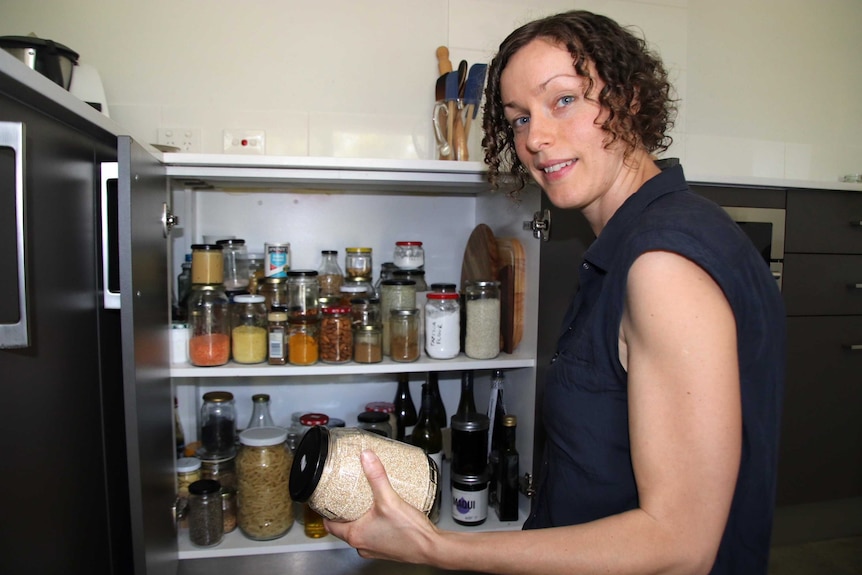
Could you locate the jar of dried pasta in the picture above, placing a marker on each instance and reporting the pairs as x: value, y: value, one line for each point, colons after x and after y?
x: 264, y: 507
x: 329, y: 474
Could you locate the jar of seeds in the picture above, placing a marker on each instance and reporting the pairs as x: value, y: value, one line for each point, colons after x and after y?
x: 482, y: 340
x: 329, y: 475
x: 206, y: 522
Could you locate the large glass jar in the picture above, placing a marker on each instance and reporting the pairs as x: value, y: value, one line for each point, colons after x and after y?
x: 303, y: 339
x: 303, y: 291
x: 329, y: 274
x: 249, y: 329
x: 209, y: 325
x: 274, y: 290
x: 442, y: 325
x: 264, y: 507
x: 357, y: 263
x: 336, y: 335
x: 409, y: 255
x: 482, y: 340
x: 235, y: 257
x: 404, y: 332
x: 395, y: 294
x: 207, y: 264
x: 218, y: 424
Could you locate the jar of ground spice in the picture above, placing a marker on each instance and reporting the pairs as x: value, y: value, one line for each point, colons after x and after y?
x: 303, y: 339
x: 327, y: 472
x: 404, y: 334
x: 368, y: 344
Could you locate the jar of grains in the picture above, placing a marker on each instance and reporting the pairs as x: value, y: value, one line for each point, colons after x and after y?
x: 206, y: 518
x: 482, y: 300
x: 395, y: 294
x: 207, y: 264
x: 209, y: 325
x: 218, y: 424
x: 404, y: 333
x: 409, y: 255
x: 357, y: 263
x: 264, y: 507
x: 302, y: 339
x: 249, y: 329
x: 329, y: 475
x: 303, y: 293
x: 329, y: 274
x: 442, y: 325
x: 336, y: 335
x: 368, y: 344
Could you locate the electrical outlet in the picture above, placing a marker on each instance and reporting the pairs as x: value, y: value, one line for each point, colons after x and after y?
x: 186, y: 139
x: 244, y: 141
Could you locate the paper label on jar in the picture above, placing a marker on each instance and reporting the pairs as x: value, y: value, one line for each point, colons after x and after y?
x: 469, y: 506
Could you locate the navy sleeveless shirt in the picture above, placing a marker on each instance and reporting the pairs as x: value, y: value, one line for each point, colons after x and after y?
x: 587, y: 471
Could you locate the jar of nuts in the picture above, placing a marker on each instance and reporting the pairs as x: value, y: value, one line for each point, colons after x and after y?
x: 336, y: 335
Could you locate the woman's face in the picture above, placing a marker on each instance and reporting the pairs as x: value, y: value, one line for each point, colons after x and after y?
x: 557, y: 131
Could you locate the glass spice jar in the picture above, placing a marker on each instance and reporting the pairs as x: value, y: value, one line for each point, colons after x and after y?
x: 206, y: 518
x: 482, y: 302
x: 368, y: 344
x: 404, y: 333
x: 302, y: 339
x: 218, y: 424
x: 274, y: 290
x: 249, y: 329
x: 336, y: 335
x: 303, y: 292
x: 395, y: 294
x: 329, y: 274
x: 409, y: 255
x: 229, y: 508
x: 357, y: 263
x: 277, y: 338
x: 264, y: 507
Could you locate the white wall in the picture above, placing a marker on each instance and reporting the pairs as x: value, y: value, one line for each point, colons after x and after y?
x: 768, y: 87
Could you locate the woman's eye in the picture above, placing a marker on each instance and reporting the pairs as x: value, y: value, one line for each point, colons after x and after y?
x: 519, y: 121
x: 565, y: 101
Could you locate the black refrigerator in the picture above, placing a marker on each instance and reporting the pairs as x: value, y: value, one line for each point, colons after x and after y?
x: 86, y: 400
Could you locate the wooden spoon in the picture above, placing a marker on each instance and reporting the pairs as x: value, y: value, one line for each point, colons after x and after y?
x: 444, y: 65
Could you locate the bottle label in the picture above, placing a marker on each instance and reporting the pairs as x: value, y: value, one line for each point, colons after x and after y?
x: 276, y: 343
x: 469, y: 506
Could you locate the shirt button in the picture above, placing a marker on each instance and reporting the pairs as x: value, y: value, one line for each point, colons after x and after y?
x: 585, y: 265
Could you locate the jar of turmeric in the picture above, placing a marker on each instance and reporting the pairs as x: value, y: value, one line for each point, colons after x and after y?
x: 303, y: 340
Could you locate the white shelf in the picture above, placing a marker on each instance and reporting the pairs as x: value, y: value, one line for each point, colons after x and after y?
x: 231, y: 369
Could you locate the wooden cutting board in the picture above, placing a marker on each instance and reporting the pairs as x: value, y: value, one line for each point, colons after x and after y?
x: 510, y: 254
x: 481, y: 258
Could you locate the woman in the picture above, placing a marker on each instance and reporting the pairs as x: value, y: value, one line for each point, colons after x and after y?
x: 662, y: 403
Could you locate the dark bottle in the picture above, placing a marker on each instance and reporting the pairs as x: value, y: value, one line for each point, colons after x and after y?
x: 507, y: 480
x: 496, y: 413
x: 427, y: 434
x: 467, y: 403
x: 438, y: 410
x: 179, y: 434
x: 405, y: 410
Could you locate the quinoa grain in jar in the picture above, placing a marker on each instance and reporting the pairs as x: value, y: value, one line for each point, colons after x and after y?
x: 264, y: 507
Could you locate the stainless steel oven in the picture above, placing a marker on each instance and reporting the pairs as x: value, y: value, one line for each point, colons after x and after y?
x: 765, y: 228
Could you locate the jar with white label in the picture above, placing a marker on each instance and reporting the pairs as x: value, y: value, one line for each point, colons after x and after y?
x: 409, y: 255
x: 442, y: 325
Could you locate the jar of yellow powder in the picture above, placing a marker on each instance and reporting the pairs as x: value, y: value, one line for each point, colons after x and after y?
x: 249, y: 329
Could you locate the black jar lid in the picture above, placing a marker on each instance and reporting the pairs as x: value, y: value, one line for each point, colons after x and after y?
x: 394, y: 282
x: 230, y: 242
x: 444, y: 287
x: 204, y: 487
x: 372, y: 417
x: 302, y: 273
x: 473, y: 422
x: 206, y: 247
x: 308, y: 463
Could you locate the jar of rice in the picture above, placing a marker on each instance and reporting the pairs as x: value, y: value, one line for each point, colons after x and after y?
x: 327, y: 473
x: 264, y: 507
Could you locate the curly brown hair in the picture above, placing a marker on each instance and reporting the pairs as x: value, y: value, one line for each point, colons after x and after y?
x: 636, y: 92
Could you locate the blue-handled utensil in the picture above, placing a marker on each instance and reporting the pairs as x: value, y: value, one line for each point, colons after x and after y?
x: 473, y: 93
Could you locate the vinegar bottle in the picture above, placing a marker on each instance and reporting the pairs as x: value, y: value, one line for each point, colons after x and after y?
x: 405, y: 410
x: 467, y: 403
x: 507, y: 479
x: 496, y: 413
x: 427, y: 434
x: 438, y: 410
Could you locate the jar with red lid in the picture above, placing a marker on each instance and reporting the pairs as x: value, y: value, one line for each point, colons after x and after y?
x: 409, y: 255
x: 336, y: 335
x: 442, y: 325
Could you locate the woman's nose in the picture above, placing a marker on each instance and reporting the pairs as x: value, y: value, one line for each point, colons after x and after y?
x: 539, y: 134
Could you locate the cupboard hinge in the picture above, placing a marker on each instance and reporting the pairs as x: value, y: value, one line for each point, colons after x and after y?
x: 169, y: 220
x: 526, y: 485
x: 540, y: 225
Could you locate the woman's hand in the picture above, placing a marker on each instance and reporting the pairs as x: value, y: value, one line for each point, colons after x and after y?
x: 391, y: 529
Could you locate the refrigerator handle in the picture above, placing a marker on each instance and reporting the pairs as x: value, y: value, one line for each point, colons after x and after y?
x: 109, y: 171
x: 17, y: 334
